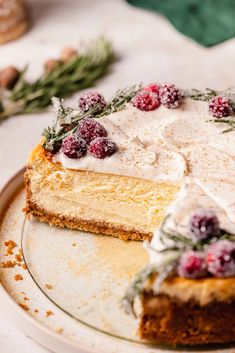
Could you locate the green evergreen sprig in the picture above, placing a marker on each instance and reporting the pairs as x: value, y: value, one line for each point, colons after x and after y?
x: 68, y: 119
x: 69, y: 77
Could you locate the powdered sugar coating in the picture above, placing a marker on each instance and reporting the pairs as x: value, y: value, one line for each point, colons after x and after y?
x: 90, y: 100
x: 220, y: 107
x: 170, y: 96
x: 146, y: 100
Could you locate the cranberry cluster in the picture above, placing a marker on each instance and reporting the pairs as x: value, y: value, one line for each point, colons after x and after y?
x: 151, y: 96
x: 90, y: 136
x: 219, y: 258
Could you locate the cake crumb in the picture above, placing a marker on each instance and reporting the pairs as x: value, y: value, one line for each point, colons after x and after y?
x: 36, y: 311
x: 26, y: 298
x: 8, y: 264
x: 24, y: 306
x: 74, y: 244
x: 49, y: 313
x: 18, y: 257
x: 18, y: 277
x: 48, y: 286
x: 10, y: 244
x: 24, y: 267
x: 59, y: 330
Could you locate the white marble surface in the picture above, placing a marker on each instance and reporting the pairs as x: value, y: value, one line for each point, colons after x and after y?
x: 149, y: 49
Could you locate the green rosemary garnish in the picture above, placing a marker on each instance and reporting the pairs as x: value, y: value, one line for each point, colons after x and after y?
x: 198, y: 95
x: 68, y: 119
x: 229, y: 121
x: 69, y: 77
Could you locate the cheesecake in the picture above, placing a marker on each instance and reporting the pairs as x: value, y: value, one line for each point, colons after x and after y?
x: 186, y: 294
x: 153, y: 163
x: 124, y: 192
x: 114, y: 167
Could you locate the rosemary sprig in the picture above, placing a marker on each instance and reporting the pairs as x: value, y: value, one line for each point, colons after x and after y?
x: 136, y: 288
x: 69, y: 77
x: 68, y: 119
x: 196, y: 94
x: 229, y: 121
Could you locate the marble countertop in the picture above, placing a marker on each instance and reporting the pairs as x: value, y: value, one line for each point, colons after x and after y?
x: 149, y: 50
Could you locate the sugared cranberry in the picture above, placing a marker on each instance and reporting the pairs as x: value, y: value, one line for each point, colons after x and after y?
x: 74, y: 146
x: 170, y: 96
x: 102, y: 147
x: 90, y: 100
x: 220, y: 107
x: 221, y: 258
x: 146, y: 100
x: 153, y: 87
x: 192, y: 265
x: 204, y: 224
x: 90, y: 128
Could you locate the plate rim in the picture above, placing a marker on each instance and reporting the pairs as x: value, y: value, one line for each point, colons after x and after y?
x: 32, y: 326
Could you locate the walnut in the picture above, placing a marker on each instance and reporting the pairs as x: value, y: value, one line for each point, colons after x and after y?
x: 67, y: 54
x: 8, y: 77
x: 51, y: 65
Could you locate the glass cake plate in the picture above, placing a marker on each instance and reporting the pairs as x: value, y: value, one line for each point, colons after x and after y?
x: 84, y: 274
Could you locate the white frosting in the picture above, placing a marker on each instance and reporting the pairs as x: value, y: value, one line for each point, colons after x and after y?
x: 170, y: 145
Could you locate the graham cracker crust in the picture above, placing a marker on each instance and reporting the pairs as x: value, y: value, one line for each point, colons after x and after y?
x: 171, y: 322
x: 92, y: 226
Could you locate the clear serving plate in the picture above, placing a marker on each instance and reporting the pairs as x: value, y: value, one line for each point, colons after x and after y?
x: 85, y: 275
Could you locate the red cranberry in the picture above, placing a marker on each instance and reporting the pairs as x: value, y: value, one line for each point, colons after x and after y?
x: 74, y: 146
x: 90, y: 128
x: 102, y: 147
x: 153, y: 87
x: 221, y: 258
x: 170, y: 96
x: 90, y: 100
x: 204, y: 224
x: 192, y: 265
x: 146, y: 100
x: 220, y: 107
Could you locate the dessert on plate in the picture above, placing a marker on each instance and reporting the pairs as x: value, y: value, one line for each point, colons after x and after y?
x: 152, y: 160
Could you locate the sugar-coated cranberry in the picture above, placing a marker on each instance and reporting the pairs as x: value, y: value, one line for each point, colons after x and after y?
x: 90, y: 100
x: 192, y: 265
x: 170, y: 96
x: 102, y: 147
x: 74, y: 146
x: 146, y: 100
x: 90, y: 128
x: 204, y: 224
x: 220, y: 107
x: 221, y: 258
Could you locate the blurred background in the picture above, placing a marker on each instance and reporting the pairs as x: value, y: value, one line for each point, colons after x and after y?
x: 186, y: 42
